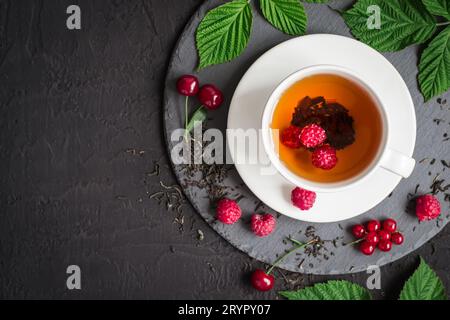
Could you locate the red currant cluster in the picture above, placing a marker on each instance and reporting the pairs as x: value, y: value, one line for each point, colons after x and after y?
x: 375, y: 234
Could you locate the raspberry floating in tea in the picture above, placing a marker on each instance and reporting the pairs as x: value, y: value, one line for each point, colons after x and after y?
x: 290, y: 137
x: 312, y: 136
x: 324, y: 157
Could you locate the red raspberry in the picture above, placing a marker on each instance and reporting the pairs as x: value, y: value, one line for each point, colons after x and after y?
x: 324, y: 157
x: 427, y: 207
x: 263, y: 225
x: 312, y: 136
x: 228, y: 211
x: 290, y: 137
x: 303, y: 199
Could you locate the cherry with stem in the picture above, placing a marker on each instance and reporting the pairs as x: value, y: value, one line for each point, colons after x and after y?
x: 188, y: 86
x: 264, y: 281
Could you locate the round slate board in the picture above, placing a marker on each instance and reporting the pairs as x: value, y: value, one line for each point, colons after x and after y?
x: 334, y: 257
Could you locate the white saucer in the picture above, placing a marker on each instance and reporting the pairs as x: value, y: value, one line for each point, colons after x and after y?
x: 275, y: 65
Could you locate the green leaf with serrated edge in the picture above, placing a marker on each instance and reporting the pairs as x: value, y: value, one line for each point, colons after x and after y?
x: 287, y: 16
x: 424, y: 284
x: 198, y: 117
x: 331, y: 290
x: 403, y: 22
x: 434, y: 66
x: 224, y: 33
x: 438, y: 7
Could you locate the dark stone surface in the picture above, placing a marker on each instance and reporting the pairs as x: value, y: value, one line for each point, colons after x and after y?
x: 81, y: 132
x: 335, y: 257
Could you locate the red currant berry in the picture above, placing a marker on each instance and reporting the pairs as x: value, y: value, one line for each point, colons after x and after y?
x: 210, y: 97
x: 373, y: 225
x: 397, y: 238
x: 367, y: 248
x: 389, y: 225
x: 262, y: 281
x: 187, y: 85
x: 384, y: 235
x: 358, y: 231
x: 372, y: 237
x: 385, y: 245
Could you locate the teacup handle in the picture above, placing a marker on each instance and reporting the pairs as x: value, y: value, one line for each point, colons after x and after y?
x: 398, y: 163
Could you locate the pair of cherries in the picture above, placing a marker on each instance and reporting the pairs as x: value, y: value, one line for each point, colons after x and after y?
x: 208, y: 95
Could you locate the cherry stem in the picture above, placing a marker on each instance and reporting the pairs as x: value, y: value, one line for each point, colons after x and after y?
x: 298, y: 245
x: 186, y: 113
x: 295, y: 241
x: 354, y: 242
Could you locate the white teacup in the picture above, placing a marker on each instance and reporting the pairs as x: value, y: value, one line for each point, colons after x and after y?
x: 385, y: 158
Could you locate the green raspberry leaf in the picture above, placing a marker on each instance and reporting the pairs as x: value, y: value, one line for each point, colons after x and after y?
x: 332, y: 290
x: 224, y: 32
x: 424, y: 284
x: 287, y: 16
x: 403, y: 22
x: 434, y: 66
x: 438, y: 7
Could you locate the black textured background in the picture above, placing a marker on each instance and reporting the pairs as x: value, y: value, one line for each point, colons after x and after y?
x: 81, y: 137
